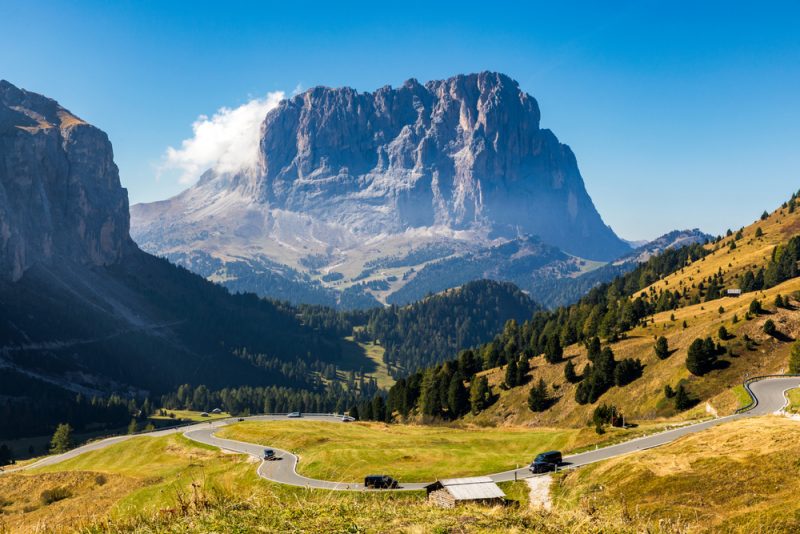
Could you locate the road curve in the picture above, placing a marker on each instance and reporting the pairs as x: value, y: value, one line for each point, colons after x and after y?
x: 768, y: 393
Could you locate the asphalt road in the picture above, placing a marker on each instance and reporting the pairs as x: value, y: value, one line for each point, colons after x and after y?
x: 769, y: 394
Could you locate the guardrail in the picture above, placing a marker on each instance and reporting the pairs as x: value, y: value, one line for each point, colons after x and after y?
x: 753, y: 399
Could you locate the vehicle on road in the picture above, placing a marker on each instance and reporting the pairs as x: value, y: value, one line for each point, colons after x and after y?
x: 380, y: 482
x: 269, y: 455
x: 546, y: 462
x: 294, y: 414
x: 240, y: 419
x: 347, y: 419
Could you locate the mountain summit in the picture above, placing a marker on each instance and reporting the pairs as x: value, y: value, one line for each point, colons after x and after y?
x: 344, y: 178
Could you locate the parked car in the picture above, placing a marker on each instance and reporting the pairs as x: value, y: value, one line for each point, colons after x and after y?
x: 546, y: 462
x: 380, y: 482
x: 294, y: 414
x: 269, y: 455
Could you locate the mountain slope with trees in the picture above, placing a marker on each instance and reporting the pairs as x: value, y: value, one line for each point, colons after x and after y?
x: 605, y: 354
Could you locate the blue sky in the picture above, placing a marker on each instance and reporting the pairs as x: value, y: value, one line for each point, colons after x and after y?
x: 681, y: 114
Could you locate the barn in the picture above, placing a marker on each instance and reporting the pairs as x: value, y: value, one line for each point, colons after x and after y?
x: 449, y: 492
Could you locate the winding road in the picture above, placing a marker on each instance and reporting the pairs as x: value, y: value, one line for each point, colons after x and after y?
x: 769, y: 395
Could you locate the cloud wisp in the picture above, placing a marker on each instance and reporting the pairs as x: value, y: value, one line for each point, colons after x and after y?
x: 227, y: 141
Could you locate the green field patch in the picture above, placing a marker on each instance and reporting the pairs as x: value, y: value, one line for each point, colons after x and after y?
x: 348, y: 452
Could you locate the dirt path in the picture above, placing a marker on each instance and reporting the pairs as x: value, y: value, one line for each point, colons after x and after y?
x: 540, y: 492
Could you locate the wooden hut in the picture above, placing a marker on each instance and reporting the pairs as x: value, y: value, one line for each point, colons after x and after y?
x: 449, y: 492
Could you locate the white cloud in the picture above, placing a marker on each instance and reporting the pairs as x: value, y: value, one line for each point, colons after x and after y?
x: 227, y: 141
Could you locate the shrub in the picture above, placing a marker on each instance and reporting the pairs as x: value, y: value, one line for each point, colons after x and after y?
x: 769, y: 328
x: 701, y: 356
x: 794, y: 358
x: 627, y: 371
x: 723, y: 333
x: 662, y: 348
x: 53, y: 495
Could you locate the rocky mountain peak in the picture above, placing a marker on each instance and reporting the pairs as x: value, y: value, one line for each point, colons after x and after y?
x: 60, y: 194
x: 345, y: 179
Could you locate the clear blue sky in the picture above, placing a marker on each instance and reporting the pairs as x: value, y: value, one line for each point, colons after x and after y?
x: 681, y: 114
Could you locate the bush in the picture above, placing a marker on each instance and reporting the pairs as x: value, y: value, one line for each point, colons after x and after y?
x: 769, y: 328
x: 53, y: 495
x: 723, y: 333
x: 755, y: 307
x: 682, y: 399
x: 627, y: 371
x: 702, y: 356
x: 794, y: 358
x: 662, y: 348
x: 668, y: 391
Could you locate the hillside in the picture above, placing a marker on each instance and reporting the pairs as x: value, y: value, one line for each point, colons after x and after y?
x: 429, y: 331
x: 644, y: 398
x: 626, y: 317
x: 89, y: 324
x: 736, y: 477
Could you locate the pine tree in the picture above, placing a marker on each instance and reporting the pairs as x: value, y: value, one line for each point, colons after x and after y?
x: 723, y: 333
x: 769, y: 328
x: 668, y: 391
x: 511, y: 373
x: 457, y: 397
x: 662, y: 348
x: 538, y: 400
x: 132, y: 427
x: 479, y: 394
x: 62, y: 439
x: 701, y: 357
x: 682, y: 399
x: 553, y: 351
x: 523, y: 368
x: 569, y: 372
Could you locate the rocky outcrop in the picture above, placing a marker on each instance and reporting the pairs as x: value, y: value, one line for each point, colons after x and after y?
x: 345, y: 180
x: 60, y: 194
x: 463, y: 153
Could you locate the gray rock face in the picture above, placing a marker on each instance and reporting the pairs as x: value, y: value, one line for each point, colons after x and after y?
x: 60, y: 194
x: 347, y: 179
x: 463, y: 153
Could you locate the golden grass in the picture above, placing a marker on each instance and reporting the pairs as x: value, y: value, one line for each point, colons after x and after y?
x: 742, y: 476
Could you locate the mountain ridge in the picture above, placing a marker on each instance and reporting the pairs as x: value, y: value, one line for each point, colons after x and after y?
x: 345, y: 178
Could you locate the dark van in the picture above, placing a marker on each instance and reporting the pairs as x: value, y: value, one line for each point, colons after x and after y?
x: 379, y: 482
x: 546, y: 462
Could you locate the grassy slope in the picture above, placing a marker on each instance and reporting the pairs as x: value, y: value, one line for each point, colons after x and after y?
x: 190, y: 415
x: 742, y: 477
x: 353, y: 354
x: 644, y: 398
x: 169, y: 484
x: 410, y: 453
x: 794, y: 400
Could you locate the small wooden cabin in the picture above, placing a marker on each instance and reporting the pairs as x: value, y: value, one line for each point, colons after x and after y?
x: 733, y: 292
x: 449, y: 492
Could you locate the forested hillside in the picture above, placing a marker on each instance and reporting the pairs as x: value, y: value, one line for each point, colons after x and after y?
x: 618, y: 344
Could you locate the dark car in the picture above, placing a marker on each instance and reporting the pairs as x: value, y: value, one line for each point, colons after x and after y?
x: 379, y: 482
x: 269, y: 455
x: 546, y: 462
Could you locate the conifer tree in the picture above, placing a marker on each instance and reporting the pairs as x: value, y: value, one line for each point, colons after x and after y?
x: 62, y: 439
x: 569, y: 372
x: 662, y: 348
x: 538, y: 400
